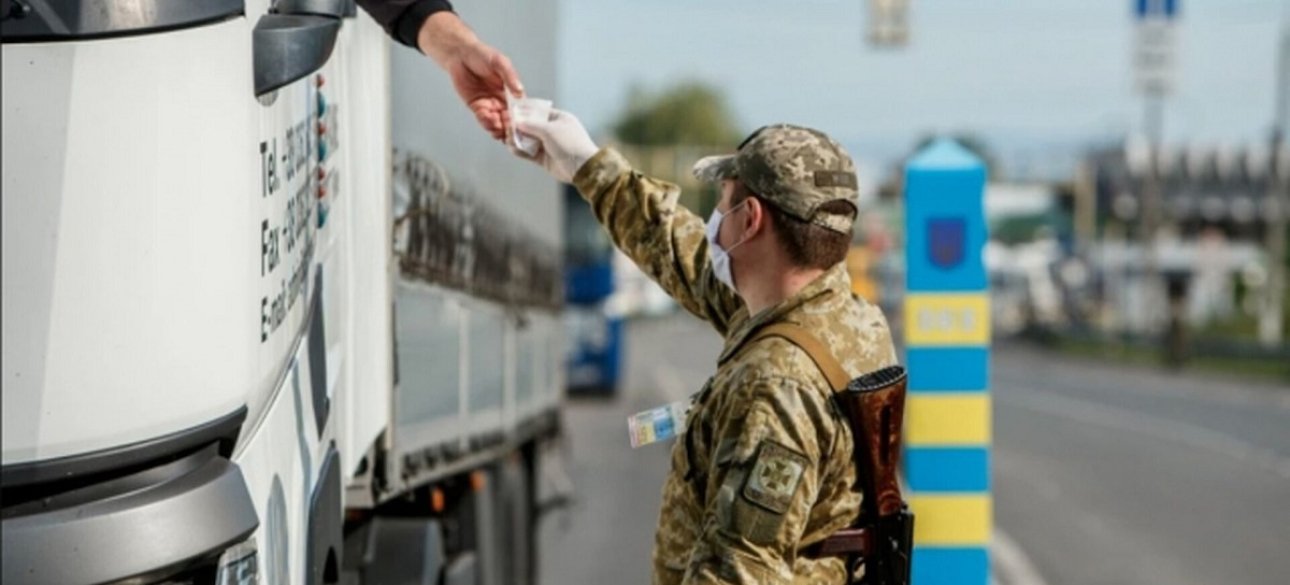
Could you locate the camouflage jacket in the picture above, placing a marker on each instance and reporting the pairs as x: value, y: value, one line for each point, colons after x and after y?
x: 765, y: 468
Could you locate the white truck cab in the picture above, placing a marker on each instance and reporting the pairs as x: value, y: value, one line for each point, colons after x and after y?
x: 199, y: 303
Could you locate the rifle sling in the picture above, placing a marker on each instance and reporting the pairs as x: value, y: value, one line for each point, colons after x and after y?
x: 818, y: 352
x: 799, y: 336
x: 850, y: 541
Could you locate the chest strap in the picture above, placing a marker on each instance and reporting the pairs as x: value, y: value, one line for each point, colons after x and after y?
x: 797, y: 335
x: 853, y: 542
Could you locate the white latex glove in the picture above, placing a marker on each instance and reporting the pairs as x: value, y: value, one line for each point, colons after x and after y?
x: 566, y: 146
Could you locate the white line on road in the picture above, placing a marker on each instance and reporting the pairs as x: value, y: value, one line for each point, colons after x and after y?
x: 1011, y: 565
x: 1153, y: 426
x: 1242, y: 395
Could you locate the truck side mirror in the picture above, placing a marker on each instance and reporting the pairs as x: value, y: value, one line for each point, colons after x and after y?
x: 287, y: 47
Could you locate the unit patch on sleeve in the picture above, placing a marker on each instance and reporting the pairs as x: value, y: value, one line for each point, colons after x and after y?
x: 774, y: 477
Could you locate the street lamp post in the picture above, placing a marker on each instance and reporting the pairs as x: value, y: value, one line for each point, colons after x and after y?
x: 1154, y: 63
x: 1272, y: 317
x: 1149, y: 217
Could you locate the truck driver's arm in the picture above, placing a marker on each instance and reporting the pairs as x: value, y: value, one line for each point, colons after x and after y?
x: 480, y: 73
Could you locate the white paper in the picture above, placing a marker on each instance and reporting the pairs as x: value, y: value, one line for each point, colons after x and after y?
x: 527, y: 110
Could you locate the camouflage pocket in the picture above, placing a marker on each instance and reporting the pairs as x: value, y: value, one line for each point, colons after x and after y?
x: 698, y: 430
x: 754, y: 523
x: 740, y: 519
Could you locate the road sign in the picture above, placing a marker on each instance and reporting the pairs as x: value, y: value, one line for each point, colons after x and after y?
x: 888, y: 23
x: 1155, y: 49
x: 1145, y: 9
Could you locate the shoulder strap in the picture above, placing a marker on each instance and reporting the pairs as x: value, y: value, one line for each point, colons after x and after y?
x: 818, y: 352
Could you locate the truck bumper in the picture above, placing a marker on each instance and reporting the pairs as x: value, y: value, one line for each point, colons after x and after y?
x: 149, y: 522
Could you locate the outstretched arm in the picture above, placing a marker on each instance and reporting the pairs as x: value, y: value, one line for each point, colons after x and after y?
x: 480, y: 73
x: 641, y: 214
x: 662, y: 237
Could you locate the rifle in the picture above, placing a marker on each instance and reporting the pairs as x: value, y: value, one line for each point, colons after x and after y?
x: 881, y: 538
x: 883, y: 535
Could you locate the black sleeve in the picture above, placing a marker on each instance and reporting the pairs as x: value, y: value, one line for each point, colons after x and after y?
x: 402, y: 19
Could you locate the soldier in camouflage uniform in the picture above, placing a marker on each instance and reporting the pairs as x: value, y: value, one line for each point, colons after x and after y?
x: 764, y: 471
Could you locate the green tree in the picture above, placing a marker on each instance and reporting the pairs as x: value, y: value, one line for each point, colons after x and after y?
x: 666, y: 131
x: 690, y: 113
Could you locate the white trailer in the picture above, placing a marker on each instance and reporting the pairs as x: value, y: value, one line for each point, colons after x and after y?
x: 274, y: 309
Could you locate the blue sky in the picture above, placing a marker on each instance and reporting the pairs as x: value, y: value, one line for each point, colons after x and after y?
x: 1035, y: 77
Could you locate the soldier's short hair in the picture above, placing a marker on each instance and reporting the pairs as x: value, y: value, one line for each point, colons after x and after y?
x: 808, y: 245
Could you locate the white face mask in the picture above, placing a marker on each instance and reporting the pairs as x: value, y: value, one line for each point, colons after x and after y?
x: 719, y: 256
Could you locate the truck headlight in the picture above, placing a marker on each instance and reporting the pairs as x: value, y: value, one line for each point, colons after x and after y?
x: 239, y: 565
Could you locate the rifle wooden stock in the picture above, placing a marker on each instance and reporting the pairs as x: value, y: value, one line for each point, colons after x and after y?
x: 875, y: 406
x: 882, y: 537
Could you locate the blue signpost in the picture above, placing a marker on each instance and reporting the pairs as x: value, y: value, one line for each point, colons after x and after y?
x: 947, y: 334
x: 1155, y: 8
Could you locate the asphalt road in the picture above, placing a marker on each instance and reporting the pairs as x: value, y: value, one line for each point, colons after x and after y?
x: 608, y: 533
x: 1102, y: 474
x: 1107, y: 474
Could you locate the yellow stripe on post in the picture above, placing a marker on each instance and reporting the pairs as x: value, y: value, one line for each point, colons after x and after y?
x: 957, y: 520
x: 947, y: 319
x: 947, y: 419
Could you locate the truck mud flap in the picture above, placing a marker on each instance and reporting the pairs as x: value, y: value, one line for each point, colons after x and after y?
x: 397, y: 551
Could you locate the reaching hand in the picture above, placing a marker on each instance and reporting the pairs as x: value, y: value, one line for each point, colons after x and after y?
x: 480, y: 73
x: 566, y: 146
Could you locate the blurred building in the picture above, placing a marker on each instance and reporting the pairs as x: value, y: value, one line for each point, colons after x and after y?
x: 1030, y: 239
x: 1223, y: 188
x: 1216, y: 205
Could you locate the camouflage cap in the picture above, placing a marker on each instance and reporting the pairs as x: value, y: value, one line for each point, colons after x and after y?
x: 794, y: 168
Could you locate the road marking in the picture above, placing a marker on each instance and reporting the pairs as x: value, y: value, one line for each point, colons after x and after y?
x: 1153, y: 426
x: 1012, y: 566
x: 1260, y: 394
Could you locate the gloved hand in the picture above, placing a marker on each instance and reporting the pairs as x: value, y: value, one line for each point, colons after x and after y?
x: 566, y: 146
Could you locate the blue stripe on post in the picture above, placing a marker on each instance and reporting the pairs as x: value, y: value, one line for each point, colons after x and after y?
x: 950, y: 566
x: 948, y: 469
x: 953, y: 369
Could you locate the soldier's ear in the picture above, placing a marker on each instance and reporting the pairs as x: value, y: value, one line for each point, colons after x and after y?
x: 756, y: 218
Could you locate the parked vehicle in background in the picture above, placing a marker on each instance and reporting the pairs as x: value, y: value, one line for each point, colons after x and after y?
x: 593, y: 318
x: 275, y: 310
